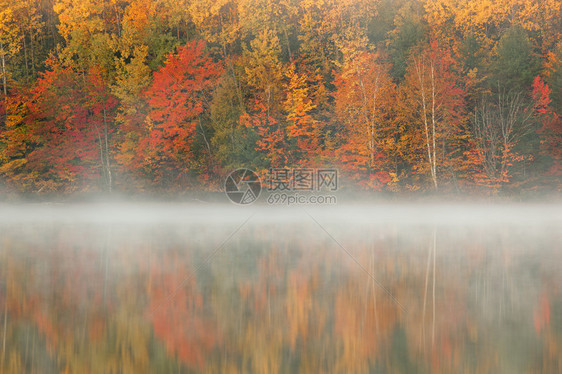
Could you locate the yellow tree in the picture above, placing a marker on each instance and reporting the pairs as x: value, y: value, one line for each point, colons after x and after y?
x: 276, y: 15
x: 217, y: 22
x: 10, y: 37
x: 131, y: 80
x: 175, y: 14
x: 433, y: 111
x: 488, y: 19
x: 332, y: 30
x: 20, y: 30
x: 86, y: 28
x: 264, y: 71
x: 315, y: 47
x: 137, y: 25
x: 364, y: 98
x: 349, y: 20
x: 303, y: 130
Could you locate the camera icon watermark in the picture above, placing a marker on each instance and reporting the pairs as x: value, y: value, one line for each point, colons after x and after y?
x: 286, y: 186
x: 242, y: 186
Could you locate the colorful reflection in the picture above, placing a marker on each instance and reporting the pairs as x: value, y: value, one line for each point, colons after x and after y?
x: 279, y: 298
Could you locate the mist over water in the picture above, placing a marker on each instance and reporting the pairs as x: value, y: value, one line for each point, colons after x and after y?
x: 356, y: 288
x: 448, y: 213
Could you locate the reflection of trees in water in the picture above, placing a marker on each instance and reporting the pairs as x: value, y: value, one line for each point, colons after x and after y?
x: 102, y: 301
x: 176, y: 309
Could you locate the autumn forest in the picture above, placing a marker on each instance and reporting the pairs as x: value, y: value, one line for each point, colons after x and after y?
x: 456, y: 96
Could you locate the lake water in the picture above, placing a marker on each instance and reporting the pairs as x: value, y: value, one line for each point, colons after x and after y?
x: 372, y: 288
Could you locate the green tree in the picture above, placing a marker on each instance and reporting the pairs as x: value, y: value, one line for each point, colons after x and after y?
x: 409, y: 30
x: 515, y: 64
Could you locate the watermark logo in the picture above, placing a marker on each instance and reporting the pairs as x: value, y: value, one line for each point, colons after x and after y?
x: 283, y: 198
x: 302, y: 179
x: 301, y: 186
x: 242, y: 186
x: 295, y: 186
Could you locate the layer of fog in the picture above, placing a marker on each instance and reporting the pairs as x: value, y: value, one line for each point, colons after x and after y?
x: 477, y: 213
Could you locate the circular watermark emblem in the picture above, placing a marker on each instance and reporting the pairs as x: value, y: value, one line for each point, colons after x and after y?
x: 242, y: 186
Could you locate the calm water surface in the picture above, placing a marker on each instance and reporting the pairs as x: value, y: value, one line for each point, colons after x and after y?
x: 150, y: 288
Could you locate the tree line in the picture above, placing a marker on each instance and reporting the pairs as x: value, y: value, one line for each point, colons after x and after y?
x: 163, y: 96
